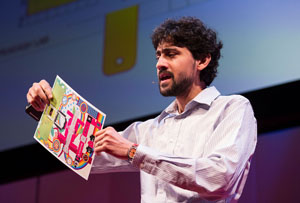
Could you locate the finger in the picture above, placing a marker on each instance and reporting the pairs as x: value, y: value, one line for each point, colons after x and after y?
x: 36, y: 101
x: 99, y: 135
x: 38, y: 89
x: 32, y: 102
x: 100, y: 140
x: 46, y: 88
x: 108, y: 130
x: 104, y: 135
x: 29, y: 98
x: 99, y: 132
x: 99, y: 149
x: 37, y: 107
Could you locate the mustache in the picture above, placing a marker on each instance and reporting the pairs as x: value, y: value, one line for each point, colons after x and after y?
x: 165, y: 72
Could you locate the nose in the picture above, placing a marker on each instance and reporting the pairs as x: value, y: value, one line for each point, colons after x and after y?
x: 161, y: 63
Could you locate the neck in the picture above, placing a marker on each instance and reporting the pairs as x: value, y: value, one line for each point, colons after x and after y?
x: 184, y: 99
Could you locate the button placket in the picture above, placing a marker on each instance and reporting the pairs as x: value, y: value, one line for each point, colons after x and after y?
x: 176, y: 136
x: 161, y: 194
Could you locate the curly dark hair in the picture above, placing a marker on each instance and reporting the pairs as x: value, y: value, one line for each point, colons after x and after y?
x: 201, y: 41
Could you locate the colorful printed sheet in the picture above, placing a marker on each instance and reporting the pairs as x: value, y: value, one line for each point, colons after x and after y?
x: 67, y: 128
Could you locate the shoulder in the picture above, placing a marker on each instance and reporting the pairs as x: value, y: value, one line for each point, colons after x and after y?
x: 232, y: 99
x: 232, y: 103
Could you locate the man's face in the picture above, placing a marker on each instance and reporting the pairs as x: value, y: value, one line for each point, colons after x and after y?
x: 175, y: 70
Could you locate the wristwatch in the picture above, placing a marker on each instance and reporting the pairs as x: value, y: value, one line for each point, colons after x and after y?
x: 131, y: 152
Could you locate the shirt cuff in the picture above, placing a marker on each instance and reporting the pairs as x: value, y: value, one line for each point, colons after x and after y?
x: 144, y: 158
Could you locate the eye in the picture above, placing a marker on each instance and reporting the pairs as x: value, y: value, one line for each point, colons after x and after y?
x: 171, y: 54
x: 157, y: 55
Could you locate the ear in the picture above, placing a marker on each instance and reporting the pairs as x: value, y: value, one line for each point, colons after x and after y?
x: 201, y: 64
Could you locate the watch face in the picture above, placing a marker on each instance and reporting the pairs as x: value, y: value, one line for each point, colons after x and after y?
x: 132, y: 152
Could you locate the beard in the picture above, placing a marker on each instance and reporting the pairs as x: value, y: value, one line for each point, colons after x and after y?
x: 178, y: 88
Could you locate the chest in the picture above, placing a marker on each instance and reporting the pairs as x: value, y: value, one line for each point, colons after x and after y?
x: 181, y: 136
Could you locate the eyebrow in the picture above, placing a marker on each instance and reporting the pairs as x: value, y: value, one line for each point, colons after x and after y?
x: 166, y: 50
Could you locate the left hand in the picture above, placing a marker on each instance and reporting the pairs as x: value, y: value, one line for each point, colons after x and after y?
x: 110, y: 141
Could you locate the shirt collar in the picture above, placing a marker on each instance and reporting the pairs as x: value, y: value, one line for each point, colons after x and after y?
x: 206, y: 97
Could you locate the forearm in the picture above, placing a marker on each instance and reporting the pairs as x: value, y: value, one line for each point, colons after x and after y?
x: 211, y: 177
x: 105, y: 163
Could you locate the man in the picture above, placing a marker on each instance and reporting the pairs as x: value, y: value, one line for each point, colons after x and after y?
x: 200, y: 147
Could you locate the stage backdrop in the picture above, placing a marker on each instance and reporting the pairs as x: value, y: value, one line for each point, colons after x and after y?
x: 103, y: 50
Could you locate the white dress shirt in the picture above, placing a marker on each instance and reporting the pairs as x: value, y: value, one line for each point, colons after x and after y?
x: 200, y: 155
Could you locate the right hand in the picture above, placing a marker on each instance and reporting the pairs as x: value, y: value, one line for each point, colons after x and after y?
x: 39, y: 95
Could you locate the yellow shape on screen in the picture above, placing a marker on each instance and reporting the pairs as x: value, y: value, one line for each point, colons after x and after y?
x: 120, y: 41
